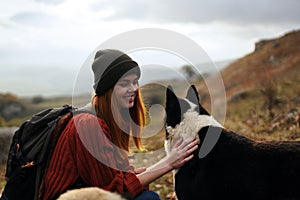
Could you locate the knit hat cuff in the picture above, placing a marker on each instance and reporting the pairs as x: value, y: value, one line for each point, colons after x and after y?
x: 111, y: 76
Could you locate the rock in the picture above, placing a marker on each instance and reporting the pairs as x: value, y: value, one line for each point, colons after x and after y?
x: 6, y: 135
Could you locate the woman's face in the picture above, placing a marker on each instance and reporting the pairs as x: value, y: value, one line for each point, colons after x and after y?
x: 125, y: 91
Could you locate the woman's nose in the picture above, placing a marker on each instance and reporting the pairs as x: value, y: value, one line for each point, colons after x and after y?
x: 133, y: 87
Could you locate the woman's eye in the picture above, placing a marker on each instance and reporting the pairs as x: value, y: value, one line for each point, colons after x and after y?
x: 123, y: 84
x: 128, y: 83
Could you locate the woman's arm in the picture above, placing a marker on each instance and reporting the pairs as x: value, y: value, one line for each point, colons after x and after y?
x: 179, y: 155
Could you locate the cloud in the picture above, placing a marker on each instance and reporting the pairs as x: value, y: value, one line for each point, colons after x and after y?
x: 193, y: 11
x: 34, y: 18
x: 52, y: 2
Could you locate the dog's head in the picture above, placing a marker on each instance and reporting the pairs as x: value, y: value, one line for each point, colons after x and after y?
x: 176, y: 107
x: 185, y: 116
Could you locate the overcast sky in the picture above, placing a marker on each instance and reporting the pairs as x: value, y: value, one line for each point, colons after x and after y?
x: 44, y: 43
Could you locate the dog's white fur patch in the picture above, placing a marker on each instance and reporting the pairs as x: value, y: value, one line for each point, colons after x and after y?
x: 192, y: 105
x: 188, y: 128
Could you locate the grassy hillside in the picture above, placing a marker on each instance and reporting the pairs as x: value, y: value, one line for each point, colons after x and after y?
x: 272, y: 60
x: 263, y: 90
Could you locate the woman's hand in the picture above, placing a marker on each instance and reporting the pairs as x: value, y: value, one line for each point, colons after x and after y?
x: 182, y: 152
x: 179, y: 155
x: 140, y: 170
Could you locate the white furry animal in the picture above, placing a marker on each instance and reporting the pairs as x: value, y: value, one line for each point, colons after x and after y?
x: 89, y: 193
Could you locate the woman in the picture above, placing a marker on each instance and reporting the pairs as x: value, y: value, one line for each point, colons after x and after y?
x: 92, y: 149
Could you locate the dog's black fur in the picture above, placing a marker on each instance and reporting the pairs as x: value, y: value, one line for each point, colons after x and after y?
x: 237, y: 167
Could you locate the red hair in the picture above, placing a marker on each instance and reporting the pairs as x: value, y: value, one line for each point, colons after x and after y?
x: 107, y: 110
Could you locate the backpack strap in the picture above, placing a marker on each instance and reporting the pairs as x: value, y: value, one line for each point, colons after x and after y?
x: 58, y: 126
x: 87, y: 109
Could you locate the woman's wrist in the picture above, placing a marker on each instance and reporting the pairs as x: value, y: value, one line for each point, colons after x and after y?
x: 155, y: 171
x: 168, y: 163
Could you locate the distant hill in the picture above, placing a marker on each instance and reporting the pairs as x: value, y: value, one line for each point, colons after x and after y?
x: 11, y: 106
x: 273, y: 59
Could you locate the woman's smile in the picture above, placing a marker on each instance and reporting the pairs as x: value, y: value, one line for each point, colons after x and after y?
x: 125, y: 91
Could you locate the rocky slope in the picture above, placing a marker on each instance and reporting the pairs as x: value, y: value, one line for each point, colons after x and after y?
x: 273, y: 59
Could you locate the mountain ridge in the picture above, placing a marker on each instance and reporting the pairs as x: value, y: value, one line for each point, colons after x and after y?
x: 272, y: 59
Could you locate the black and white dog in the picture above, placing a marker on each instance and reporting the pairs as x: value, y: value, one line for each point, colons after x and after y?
x: 236, y: 167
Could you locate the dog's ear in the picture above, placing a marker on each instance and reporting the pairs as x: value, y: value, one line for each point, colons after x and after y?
x: 173, y: 112
x: 192, y: 95
x: 171, y: 99
x: 170, y: 89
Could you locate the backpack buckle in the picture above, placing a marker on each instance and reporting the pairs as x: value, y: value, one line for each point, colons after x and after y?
x: 28, y: 164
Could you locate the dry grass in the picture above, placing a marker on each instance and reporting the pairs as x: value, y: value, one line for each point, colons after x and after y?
x: 2, y: 177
